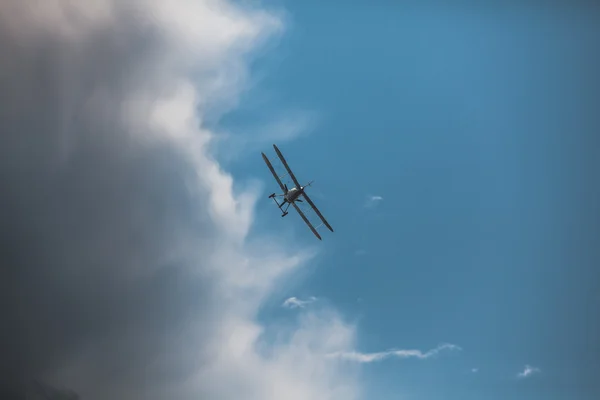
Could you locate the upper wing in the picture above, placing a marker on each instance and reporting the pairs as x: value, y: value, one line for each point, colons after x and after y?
x: 312, y: 228
x: 287, y: 167
x: 309, y: 201
x: 273, y: 172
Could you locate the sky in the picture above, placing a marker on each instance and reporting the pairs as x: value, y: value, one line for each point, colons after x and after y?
x: 453, y: 152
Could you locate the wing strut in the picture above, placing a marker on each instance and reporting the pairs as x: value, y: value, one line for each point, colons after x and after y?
x: 309, y: 201
x: 274, y: 174
x: 287, y: 167
x: 312, y: 228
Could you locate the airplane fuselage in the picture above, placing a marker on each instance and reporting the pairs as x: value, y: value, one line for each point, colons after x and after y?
x: 293, y: 194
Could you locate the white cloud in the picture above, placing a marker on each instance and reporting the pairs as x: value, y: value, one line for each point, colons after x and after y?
x: 379, y: 356
x: 294, y: 302
x: 475, y: 370
x: 372, y: 201
x: 528, y: 371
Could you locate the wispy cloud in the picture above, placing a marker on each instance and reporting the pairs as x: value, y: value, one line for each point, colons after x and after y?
x: 294, y: 302
x: 372, y: 201
x: 379, y: 356
x: 475, y: 370
x: 284, y: 127
x: 360, y: 252
x: 528, y: 371
x: 288, y: 127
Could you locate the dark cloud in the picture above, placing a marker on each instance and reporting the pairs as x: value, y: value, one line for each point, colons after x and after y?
x: 91, y: 218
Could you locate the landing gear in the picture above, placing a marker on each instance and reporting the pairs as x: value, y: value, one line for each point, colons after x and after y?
x: 280, y: 205
x: 285, y: 212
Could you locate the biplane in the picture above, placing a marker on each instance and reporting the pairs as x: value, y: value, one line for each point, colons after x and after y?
x: 291, y: 196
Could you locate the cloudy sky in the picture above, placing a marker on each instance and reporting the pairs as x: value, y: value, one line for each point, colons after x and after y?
x: 453, y: 150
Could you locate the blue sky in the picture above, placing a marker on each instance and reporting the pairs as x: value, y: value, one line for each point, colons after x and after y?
x: 477, y: 126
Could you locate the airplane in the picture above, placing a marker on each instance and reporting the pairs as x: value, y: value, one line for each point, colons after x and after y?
x: 291, y: 196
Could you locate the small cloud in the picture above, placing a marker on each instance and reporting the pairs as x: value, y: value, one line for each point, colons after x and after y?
x: 360, y: 252
x: 294, y: 302
x: 475, y: 370
x: 528, y: 371
x: 372, y: 201
x: 373, y: 357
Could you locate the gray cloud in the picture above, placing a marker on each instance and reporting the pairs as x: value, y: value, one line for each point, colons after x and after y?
x: 125, y: 273
x: 92, y: 218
